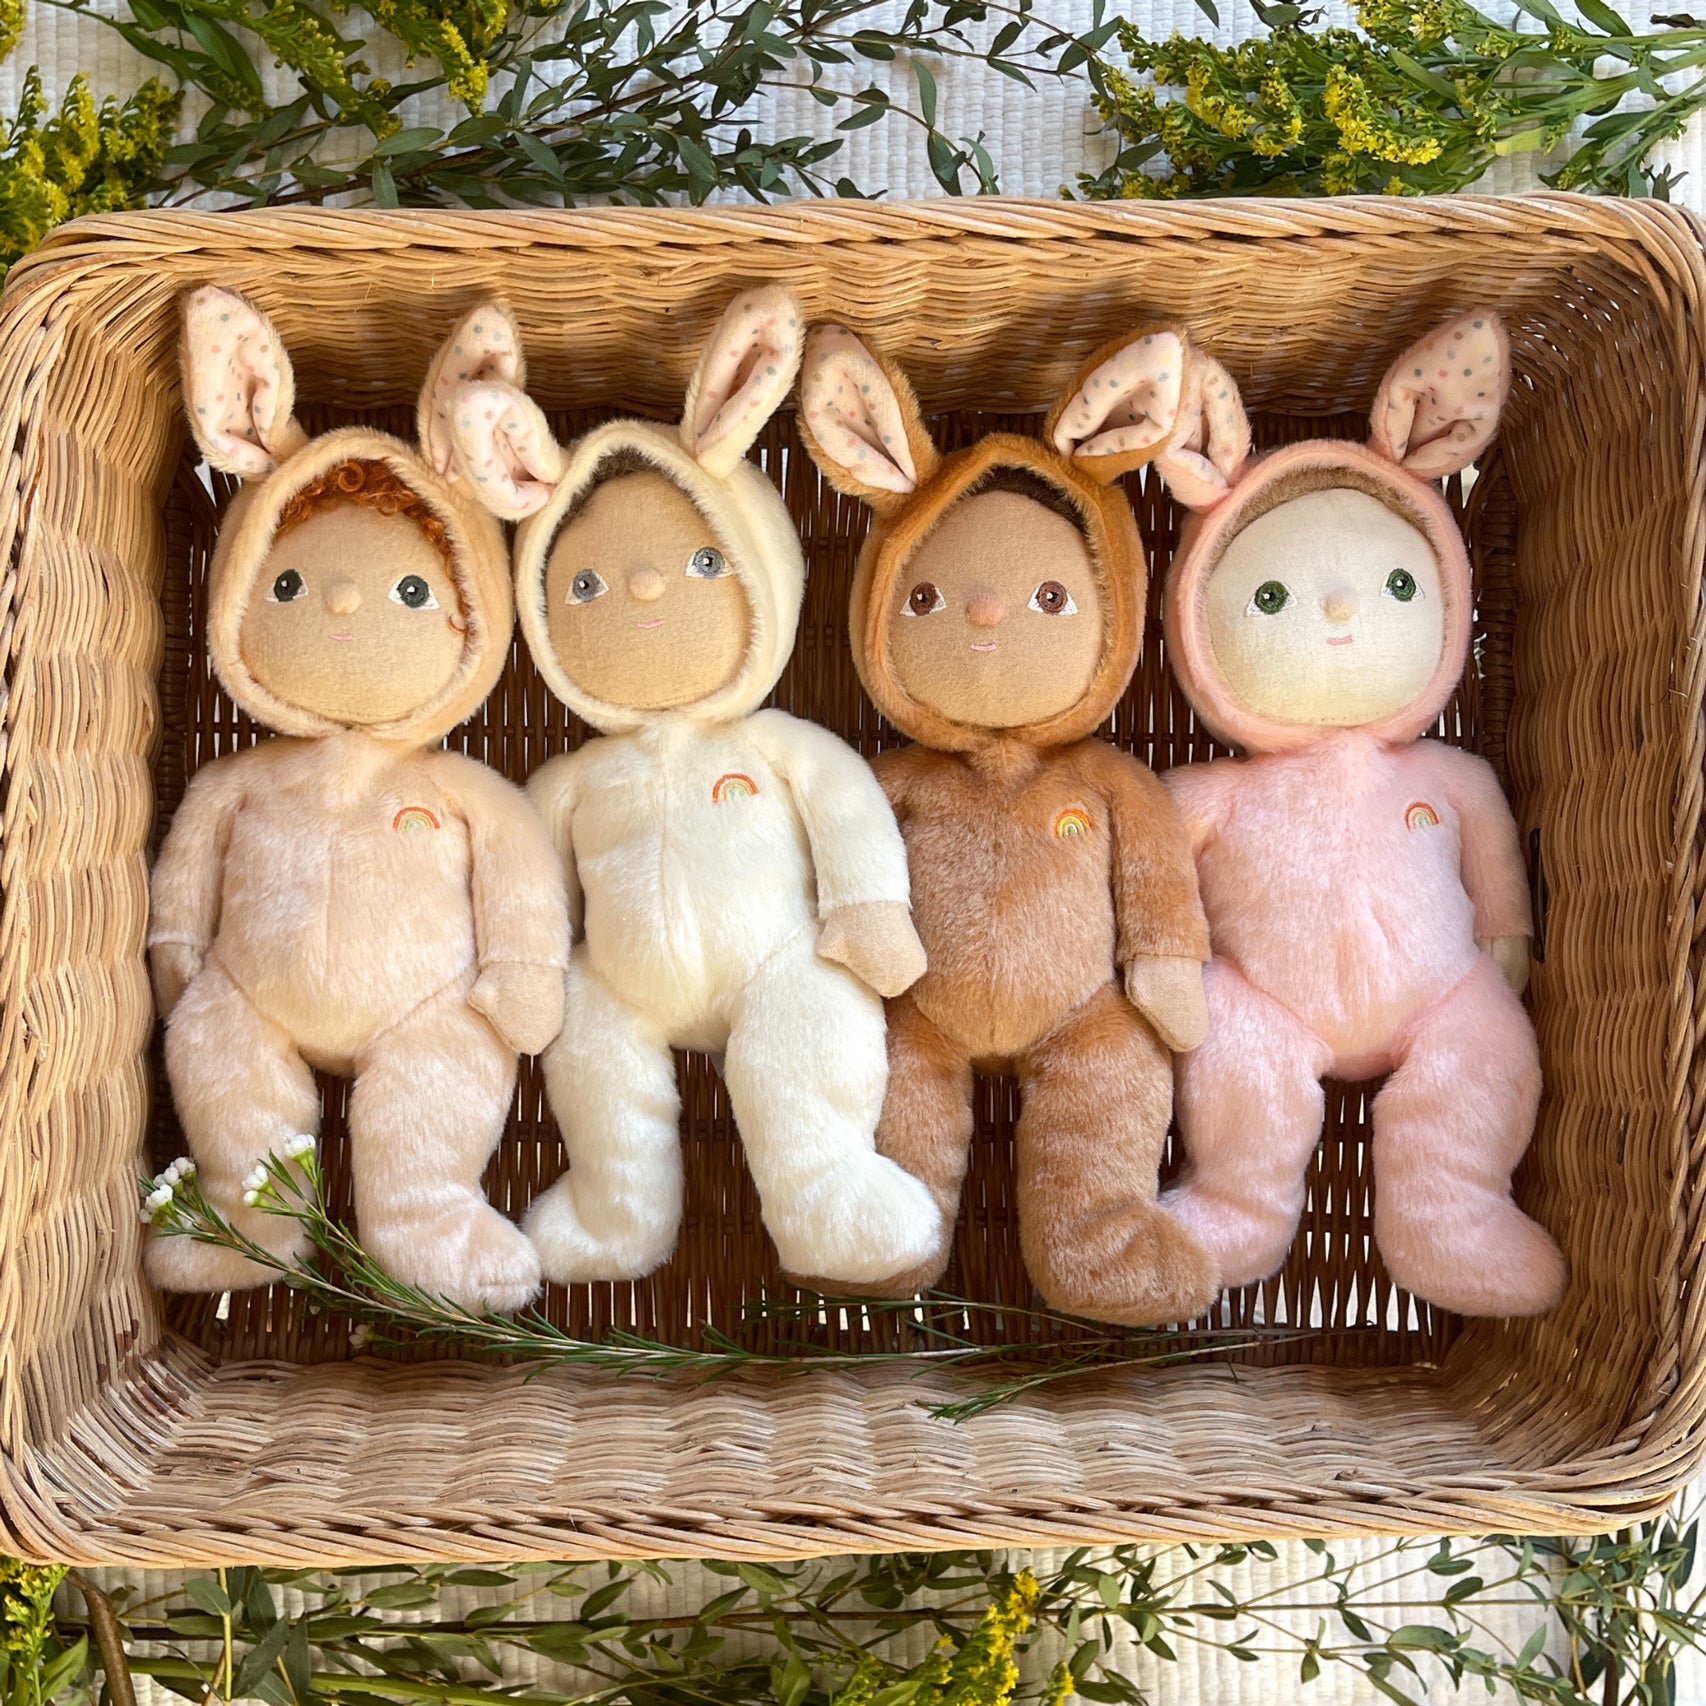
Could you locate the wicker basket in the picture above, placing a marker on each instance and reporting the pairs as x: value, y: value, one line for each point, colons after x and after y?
x: 179, y: 1432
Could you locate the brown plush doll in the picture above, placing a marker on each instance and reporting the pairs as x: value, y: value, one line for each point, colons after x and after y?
x: 353, y: 897
x: 997, y: 613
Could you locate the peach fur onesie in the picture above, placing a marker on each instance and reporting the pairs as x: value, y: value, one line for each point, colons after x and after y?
x: 721, y: 858
x: 1047, y: 865
x: 352, y: 897
x: 1365, y: 889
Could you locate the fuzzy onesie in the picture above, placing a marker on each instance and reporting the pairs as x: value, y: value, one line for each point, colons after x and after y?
x: 1365, y: 889
x: 352, y: 897
x: 997, y: 617
x: 731, y: 869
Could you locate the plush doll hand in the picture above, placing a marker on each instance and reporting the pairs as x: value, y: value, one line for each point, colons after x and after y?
x: 875, y: 940
x: 1167, y: 990
x: 173, y: 965
x: 523, y: 1002
x: 1511, y: 954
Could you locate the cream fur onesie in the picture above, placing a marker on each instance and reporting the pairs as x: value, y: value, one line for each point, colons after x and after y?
x: 705, y: 848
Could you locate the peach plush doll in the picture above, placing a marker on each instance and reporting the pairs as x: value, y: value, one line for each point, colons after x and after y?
x: 997, y: 615
x: 1365, y: 889
x: 737, y: 873
x: 352, y: 897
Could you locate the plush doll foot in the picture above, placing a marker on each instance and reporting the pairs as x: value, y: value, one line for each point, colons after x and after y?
x: 1136, y: 1266
x: 1490, y: 1260
x: 909, y: 1283
x: 571, y: 1255
x: 175, y: 1261
x: 861, y: 1224
x: 468, y: 1254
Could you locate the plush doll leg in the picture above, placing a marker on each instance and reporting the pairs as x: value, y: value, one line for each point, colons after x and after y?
x: 806, y: 1067
x: 610, y: 1076
x: 428, y: 1108
x: 1449, y: 1126
x: 1096, y: 1096
x: 242, y: 1092
x: 1250, y: 1109
x: 925, y: 1129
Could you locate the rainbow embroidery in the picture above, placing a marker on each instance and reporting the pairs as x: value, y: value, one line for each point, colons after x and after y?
x: 1420, y: 815
x: 734, y: 786
x: 411, y: 820
x: 1073, y: 821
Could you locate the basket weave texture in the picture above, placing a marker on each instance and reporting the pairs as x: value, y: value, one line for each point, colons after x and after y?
x: 173, y: 1431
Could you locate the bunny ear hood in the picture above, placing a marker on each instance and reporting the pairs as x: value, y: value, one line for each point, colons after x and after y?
x: 745, y: 371
x: 753, y: 530
x: 1116, y: 550
x: 863, y: 427
x: 1436, y: 410
x: 1264, y: 484
x: 239, y: 396
x: 480, y: 568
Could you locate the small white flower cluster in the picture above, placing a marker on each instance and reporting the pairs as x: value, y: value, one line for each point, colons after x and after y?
x: 164, y: 1190
x: 255, y: 1184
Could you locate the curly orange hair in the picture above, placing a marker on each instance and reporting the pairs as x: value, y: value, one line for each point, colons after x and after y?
x: 375, y: 485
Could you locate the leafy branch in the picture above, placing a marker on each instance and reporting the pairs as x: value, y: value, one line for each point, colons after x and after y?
x: 341, y: 1278
x: 1570, y: 1622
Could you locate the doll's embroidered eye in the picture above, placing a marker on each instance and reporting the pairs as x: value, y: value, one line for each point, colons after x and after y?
x: 414, y: 592
x: 286, y: 587
x: 586, y: 586
x: 924, y: 599
x: 1271, y: 598
x: 706, y: 563
x: 1401, y: 585
x: 1052, y: 599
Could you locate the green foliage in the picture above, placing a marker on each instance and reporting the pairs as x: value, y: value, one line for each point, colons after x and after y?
x: 632, y: 100
x: 1602, y: 1622
x: 1424, y: 98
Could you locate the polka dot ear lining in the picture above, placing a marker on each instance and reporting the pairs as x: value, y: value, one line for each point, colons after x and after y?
x: 238, y: 383
x: 1439, y: 404
x: 854, y: 414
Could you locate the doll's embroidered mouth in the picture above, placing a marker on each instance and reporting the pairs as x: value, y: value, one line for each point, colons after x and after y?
x: 340, y: 636
x: 983, y: 646
x: 1340, y: 639
x: 656, y: 622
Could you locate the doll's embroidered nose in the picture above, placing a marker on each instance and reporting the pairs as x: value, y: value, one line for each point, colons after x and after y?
x: 343, y: 598
x: 646, y: 585
x: 983, y: 609
x: 1340, y: 605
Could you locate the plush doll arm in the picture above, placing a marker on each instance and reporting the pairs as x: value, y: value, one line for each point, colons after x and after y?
x: 521, y: 920
x: 553, y: 792
x: 864, y: 897
x: 1494, y: 873
x: 1202, y: 795
x: 1161, y: 935
x: 184, y: 892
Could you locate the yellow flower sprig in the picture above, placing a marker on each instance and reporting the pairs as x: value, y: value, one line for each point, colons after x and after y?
x: 82, y: 157
x: 1424, y: 96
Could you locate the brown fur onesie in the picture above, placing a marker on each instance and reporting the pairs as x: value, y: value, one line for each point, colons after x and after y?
x: 996, y: 619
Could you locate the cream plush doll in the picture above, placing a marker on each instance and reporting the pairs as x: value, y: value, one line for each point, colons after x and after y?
x: 1365, y: 890
x: 352, y: 897
x: 737, y: 873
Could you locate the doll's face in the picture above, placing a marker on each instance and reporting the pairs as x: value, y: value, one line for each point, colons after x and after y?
x: 997, y: 620
x: 642, y: 609
x: 354, y: 616
x: 1327, y: 611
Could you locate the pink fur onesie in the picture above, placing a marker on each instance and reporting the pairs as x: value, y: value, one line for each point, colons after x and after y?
x: 1365, y: 891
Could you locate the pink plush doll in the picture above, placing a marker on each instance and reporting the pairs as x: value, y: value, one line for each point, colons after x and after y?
x: 353, y: 897
x: 1365, y: 891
